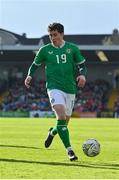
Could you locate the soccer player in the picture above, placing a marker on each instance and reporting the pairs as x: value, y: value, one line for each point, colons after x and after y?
x: 61, y: 59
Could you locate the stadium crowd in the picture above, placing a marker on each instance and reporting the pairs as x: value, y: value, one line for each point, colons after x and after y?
x: 116, y: 108
x: 92, y: 98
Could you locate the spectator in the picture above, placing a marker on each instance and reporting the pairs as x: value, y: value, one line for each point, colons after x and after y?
x: 113, y: 39
x: 116, y: 108
x: 117, y: 80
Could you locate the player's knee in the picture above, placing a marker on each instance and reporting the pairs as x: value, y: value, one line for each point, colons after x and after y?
x: 61, y: 116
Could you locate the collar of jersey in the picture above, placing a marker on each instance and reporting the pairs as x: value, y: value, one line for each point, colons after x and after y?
x: 63, y: 43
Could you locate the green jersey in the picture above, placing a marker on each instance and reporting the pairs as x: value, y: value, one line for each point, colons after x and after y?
x: 60, y: 65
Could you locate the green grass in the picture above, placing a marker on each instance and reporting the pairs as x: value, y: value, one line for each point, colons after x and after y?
x: 23, y: 156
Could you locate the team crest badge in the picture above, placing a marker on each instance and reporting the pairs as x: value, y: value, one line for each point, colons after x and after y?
x: 68, y: 51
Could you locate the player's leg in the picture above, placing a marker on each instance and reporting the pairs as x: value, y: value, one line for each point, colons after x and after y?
x: 63, y: 130
x: 67, y: 119
x: 55, y: 97
x: 58, y: 102
x: 70, y: 99
x: 52, y: 132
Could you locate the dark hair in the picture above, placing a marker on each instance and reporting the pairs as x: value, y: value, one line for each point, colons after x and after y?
x: 56, y: 26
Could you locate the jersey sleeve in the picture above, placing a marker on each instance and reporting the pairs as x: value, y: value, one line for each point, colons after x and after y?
x: 78, y: 58
x: 39, y: 58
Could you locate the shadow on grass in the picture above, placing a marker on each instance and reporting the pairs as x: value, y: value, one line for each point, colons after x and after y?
x: 75, y: 164
x: 16, y: 146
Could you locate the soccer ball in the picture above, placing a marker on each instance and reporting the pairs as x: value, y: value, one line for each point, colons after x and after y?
x: 91, y: 147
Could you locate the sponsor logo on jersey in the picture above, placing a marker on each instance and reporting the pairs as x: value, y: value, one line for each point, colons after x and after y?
x: 50, y: 52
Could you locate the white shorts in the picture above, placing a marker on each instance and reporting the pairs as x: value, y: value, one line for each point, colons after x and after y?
x: 59, y: 97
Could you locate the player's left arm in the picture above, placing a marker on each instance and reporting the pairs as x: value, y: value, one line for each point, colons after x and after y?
x: 82, y: 72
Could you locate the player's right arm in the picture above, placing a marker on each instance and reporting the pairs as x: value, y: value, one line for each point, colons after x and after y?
x: 30, y: 74
x: 39, y: 58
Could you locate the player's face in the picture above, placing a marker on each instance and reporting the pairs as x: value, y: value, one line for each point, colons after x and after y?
x: 56, y: 37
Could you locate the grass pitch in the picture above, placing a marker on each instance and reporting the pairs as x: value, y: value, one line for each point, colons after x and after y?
x: 23, y: 156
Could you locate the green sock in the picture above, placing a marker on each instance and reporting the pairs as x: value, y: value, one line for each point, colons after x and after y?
x: 54, y: 131
x: 63, y: 132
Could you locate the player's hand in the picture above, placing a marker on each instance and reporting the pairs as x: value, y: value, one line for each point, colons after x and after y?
x: 27, y: 81
x: 81, y: 80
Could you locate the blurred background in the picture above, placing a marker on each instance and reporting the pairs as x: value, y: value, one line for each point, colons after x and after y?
x: 91, y: 24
